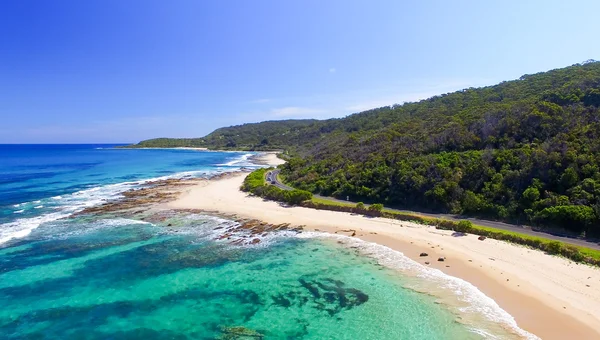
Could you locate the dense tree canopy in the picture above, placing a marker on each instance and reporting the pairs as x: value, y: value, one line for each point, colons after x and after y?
x: 270, y: 135
x: 523, y: 150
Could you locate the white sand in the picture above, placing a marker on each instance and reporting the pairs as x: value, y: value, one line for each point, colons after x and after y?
x: 268, y: 158
x: 548, y: 296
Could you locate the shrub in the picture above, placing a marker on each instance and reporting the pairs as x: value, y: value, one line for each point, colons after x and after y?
x: 254, y: 180
x: 554, y: 247
x: 464, y: 226
x: 572, y: 253
x: 360, y: 206
x: 376, y: 207
x: 571, y: 217
x: 297, y: 196
x: 255, y: 183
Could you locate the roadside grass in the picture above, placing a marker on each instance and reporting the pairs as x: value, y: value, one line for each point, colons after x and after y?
x: 593, y: 253
x: 280, y: 178
x: 256, y: 184
x: 572, y: 252
x: 320, y: 200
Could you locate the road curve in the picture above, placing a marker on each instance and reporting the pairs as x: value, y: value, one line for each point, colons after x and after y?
x: 272, y: 178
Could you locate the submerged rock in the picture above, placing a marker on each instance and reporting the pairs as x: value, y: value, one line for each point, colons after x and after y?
x: 328, y: 295
x: 240, y: 332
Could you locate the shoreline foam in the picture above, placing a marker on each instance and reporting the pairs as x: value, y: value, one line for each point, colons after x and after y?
x: 66, y: 205
x: 476, y: 302
x: 545, y: 294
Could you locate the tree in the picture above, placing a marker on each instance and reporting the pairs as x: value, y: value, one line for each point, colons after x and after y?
x: 297, y: 196
x: 472, y: 202
x: 569, y: 178
x: 571, y: 217
x: 530, y: 195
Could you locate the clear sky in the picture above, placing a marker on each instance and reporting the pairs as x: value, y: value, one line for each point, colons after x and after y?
x: 123, y: 70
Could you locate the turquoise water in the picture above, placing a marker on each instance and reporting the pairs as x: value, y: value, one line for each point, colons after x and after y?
x: 124, y: 279
x: 99, y: 277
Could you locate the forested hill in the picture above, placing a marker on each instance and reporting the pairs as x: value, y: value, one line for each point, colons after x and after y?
x: 525, y: 150
x: 269, y: 135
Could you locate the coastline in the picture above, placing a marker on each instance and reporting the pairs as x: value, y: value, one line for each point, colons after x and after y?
x: 548, y: 296
x: 267, y: 158
x: 173, y: 148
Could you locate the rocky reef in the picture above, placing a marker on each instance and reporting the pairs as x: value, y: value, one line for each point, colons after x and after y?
x: 324, y: 294
x: 251, y: 231
x: 149, y: 194
x: 238, y: 332
x: 140, y: 199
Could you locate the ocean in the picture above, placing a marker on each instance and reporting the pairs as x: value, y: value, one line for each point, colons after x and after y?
x: 70, y: 276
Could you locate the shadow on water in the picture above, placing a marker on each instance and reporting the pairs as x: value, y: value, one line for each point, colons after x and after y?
x: 165, y: 257
x: 70, y: 321
x: 48, y: 251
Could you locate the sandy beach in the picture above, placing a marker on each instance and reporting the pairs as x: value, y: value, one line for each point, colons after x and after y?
x: 549, y: 296
x: 267, y: 158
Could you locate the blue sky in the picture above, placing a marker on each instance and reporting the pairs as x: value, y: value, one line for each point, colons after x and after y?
x: 123, y: 71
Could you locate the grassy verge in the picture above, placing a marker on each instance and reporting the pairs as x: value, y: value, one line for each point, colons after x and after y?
x: 575, y: 253
x: 572, y: 252
x: 319, y: 200
x: 256, y: 184
x: 280, y: 178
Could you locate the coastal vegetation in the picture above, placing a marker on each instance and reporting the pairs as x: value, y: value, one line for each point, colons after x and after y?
x: 255, y: 183
x: 523, y: 151
x: 272, y: 135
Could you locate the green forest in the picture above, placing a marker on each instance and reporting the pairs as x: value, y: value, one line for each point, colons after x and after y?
x: 272, y: 135
x: 524, y: 151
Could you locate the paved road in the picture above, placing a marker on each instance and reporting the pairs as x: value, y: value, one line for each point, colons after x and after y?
x: 272, y: 178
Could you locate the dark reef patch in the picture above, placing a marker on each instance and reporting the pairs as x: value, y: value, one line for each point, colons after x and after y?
x: 327, y: 295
